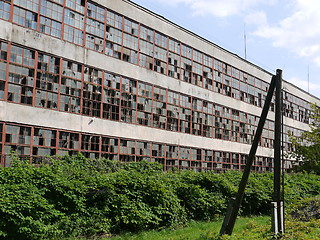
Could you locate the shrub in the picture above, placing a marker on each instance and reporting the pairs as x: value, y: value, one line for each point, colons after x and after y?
x: 305, y: 209
x: 75, y: 196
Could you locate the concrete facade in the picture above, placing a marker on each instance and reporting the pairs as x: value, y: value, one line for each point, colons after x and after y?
x: 183, y: 149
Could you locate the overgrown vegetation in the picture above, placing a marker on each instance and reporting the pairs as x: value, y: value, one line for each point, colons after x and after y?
x: 75, y: 196
x: 307, y: 146
x: 246, y: 228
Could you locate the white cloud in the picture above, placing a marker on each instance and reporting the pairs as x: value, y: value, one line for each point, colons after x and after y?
x: 218, y: 8
x: 257, y: 18
x: 299, y: 33
x: 303, y: 84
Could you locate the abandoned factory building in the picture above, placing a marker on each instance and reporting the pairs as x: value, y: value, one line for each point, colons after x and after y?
x: 112, y: 79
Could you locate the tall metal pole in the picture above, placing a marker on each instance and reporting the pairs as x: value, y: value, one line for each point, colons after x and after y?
x: 234, y: 204
x: 277, y: 156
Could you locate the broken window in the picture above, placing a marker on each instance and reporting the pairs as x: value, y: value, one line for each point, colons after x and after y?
x: 127, y: 150
x: 184, y: 162
x: 4, y: 10
x: 196, y: 154
x: 174, y: 65
x: 113, y: 42
x: 90, y: 142
x: 91, y: 100
x: 172, y: 157
x: 44, y: 137
x: 69, y: 104
x: 172, y: 117
x: 146, y: 34
x: 71, y: 86
x: 111, y: 81
x: 144, y: 109
x: 130, y: 56
x: 3, y: 73
x: 186, y: 51
x: 51, y: 19
x: 144, y: 104
x: 159, y: 114
x: 145, y: 61
x: 143, y: 151
x: 47, y: 81
x: 207, y: 125
x: 68, y: 140
x: 21, y: 81
x: 159, y: 94
x: 1, y: 132
x: 109, y: 145
x: 3, y: 51
x: 185, y: 117
x: 173, y: 98
x: 77, y: 5
x: 197, y: 118
x: 186, y: 67
x: 25, y: 18
x: 51, y: 10
x: 95, y: 35
x: 48, y: 63
x: 174, y: 46
x: 208, y: 78
x: 74, y: 25
x: 158, y: 153
x: 197, y: 74
x: 159, y: 108
x: 94, y: 43
x: 128, y: 100
x: 111, y: 103
x: 22, y: 56
x: 46, y: 99
x: 131, y: 27
x: 197, y: 56
x: 96, y: 12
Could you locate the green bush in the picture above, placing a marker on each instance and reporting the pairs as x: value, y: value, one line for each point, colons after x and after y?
x: 136, y: 200
x: 75, y: 196
x: 305, y: 209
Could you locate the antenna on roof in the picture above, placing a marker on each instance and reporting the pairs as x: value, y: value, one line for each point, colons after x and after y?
x: 308, y: 79
x: 245, y: 42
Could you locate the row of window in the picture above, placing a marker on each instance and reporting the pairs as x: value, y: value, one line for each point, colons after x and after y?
x: 35, y: 143
x: 37, y: 79
x: 41, y: 80
x: 115, y: 35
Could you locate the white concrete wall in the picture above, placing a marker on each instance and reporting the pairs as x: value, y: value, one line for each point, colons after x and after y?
x: 36, y: 116
x: 70, y: 51
x: 11, y: 112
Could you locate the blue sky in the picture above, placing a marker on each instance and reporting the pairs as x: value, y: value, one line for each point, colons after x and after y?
x: 281, y: 34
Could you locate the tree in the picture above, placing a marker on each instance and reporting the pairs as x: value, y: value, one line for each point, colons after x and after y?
x: 307, y: 146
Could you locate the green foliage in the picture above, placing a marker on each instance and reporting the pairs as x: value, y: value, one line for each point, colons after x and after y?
x: 305, y: 209
x: 203, y: 195
x: 307, y: 146
x: 301, y: 185
x: 258, y: 194
x: 75, y: 196
x: 136, y: 200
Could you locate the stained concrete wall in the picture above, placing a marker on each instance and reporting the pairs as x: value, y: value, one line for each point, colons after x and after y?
x: 11, y: 112
x: 49, y: 118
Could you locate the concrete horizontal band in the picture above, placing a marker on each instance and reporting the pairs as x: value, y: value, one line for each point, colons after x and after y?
x: 17, y: 113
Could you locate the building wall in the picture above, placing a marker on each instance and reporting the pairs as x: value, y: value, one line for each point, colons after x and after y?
x: 190, y: 84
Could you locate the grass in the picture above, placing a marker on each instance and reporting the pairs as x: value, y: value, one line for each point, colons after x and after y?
x: 201, y: 230
x: 246, y: 228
